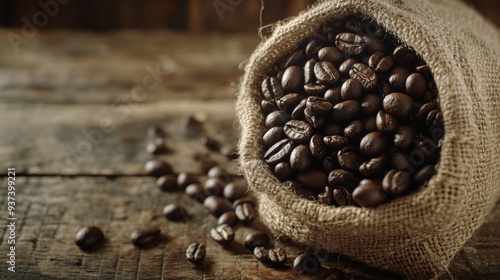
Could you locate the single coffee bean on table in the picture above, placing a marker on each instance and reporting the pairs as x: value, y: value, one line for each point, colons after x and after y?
x: 351, y: 116
x: 158, y: 168
x: 145, y: 236
x: 277, y: 257
x: 229, y: 218
x: 256, y: 239
x: 167, y: 183
x: 175, y: 212
x: 222, y: 234
x: 88, y: 237
x: 196, y: 252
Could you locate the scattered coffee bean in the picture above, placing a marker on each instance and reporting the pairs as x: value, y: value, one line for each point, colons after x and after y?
x: 145, y: 236
x: 277, y: 257
x: 175, y: 212
x: 88, y: 237
x: 220, y: 173
x: 216, y: 205
x: 156, y: 146
x: 157, y: 168
x: 214, y: 186
x: 229, y: 218
x: 196, y: 252
x: 167, y: 183
x: 210, y: 143
x: 256, y: 239
x: 306, y: 263
x: 196, y: 192
x: 222, y: 234
x: 245, y: 212
x: 233, y: 191
x: 261, y: 254
x: 185, y: 179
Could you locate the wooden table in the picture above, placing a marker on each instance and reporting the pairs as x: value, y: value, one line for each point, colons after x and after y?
x: 74, y: 125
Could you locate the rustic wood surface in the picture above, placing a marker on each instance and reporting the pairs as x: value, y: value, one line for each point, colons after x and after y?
x: 62, y: 85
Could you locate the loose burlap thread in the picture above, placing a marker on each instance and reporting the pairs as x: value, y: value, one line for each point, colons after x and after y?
x: 418, y: 235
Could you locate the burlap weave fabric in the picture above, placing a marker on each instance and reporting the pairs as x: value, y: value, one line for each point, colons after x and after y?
x: 417, y: 235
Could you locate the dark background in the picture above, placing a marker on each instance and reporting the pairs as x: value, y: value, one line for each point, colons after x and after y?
x: 184, y: 15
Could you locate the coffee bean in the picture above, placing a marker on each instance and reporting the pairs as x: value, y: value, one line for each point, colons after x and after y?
x: 279, y: 152
x: 309, y: 76
x: 261, y: 254
x: 331, y: 54
x: 425, y: 71
x: 277, y: 257
x: 283, y: 171
x: 220, y: 173
x: 373, y: 144
x: 210, y: 143
x: 424, y: 110
x: 404, y: 137
x: 196, y: 192
x: 245, y: 212
x: 167, y: 183
x: 396, y: 182
x: 185, y: 179
x: 371, y: 104
x: 401, y: 162
x: 374, y: 166
x: 222, y: 234
x: 214, y: 186
x: 288, y: 102
x: 293, y: 79
x: 343, y: 196
x: 271, y: 88
x: 335, y: 141
x: 373, y: 44
x: 216, y: 205
x: 369, y: 193
x: 175, y: 212
x: 326, y: 197
x: 333, y: 129
x: 365, y: 75
x: 397, y: 78
x: 256, y: 239
x: 298, y: 112
x: 157, y: 168
x: 145, y: 236
x: 354, y: 130
x: 156, y: 131
x: 335, y: 274
x: 346, y: 111
x: 318, y: 106
x: 196, y: 252
x: 306, y: 263
x: 424, y: 148
x: 352, y: 89
x: 370, y: 124
x: 317, y: 147
x: 156, y: 146
x: 356, y: 25
x: 349, y: 159
x: 298, y: 131
x: 207, y: 164
x: 301, y: 158
x: 403, y: 55
x: 346, y: 66
x: 315, y: 89
x: 313, y: 120
x: 350, y: 43
x: 233, y: 191
x: 333, y: 95
x: 229, y: 151
x: 415, y: 85
x: 228, y: 218
x: 88, y: 237
x: 326, y: 73
x: 277, y: 118
x: 423, y: 175
x: 398, y: 104
x: 312, y: 179
x: 273, y: 135
x: 313, y: 48
x: 385, y: 122
x: 246, y: 199
x: 267, y: 106
x: 296, y: 59
x: 330, y: 163
x: 434, y: 121
x: 380, y: 63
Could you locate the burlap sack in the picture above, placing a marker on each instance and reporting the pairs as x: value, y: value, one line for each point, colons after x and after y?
x: 418, y: 235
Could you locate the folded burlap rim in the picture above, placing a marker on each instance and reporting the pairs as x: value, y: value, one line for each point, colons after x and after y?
x: 430, y: 225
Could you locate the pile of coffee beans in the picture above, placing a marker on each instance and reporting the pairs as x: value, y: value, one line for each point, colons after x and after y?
x: 351, y: 116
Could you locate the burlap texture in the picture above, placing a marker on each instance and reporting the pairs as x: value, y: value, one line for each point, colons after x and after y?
x: 418, y: 235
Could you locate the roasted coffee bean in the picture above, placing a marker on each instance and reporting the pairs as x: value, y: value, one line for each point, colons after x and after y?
x: 157, y: 168
x: 210, y: 143
x: 298, y: 131
x: 423, y: 175
x: 373, y: 44
x: 279, y: 152
x: 365, y: 75
x: 196, y: 252
x: 326, y: 197
x: 214, y: 186
x: 369, y: 193
x: 288, y: 102
x: 385, y: 87
x: 403, y: 55
x: 246, y: 199
x: 207, y: 164
x: 313, y: 48
x: 331, y: 54
x: 220, y: 173
x: 245, y: 212
x: 283, y: 171
x: 326, y: 73
x: 185, y: 179
x: 346, y: 66
x: 372, y: 28
x: 370, y: 124
x: 424, y: 148
x: 229, y: 151
x: 315, y: 89
x: 175, y: 212
x: 374, y: 166
x: 306, y: 263
x: 233, y: 191
x: 297, y: 189
x: 356, y: 25
x: 401, y: 162
x: 349, y: 158
x: 346, y: 111
x: 398, y: 104
x: 156, y: 131
x: 333, y: 95
x: 352, y: 89
x: 434, y: 121
x: 373, y: 144
x: 271, y: 88
x: 88, y: 237
x: 317, y: 147
x: 396, y: 182
x: 277, y: 118
x: 297, y: 58
x: 312, y: 179
x: 380, y: 63
x: 350, y: 43
x: 273, y: 135
x: 333, y: 129
x: 229, y: 218
x: 424, y: 110
x: 397, y: 78
x: 222, y: 234
x: 335, y: 274
x: 301, y: 158
x: 145, y: 236
x: 298, y: 112
x: 425, y: 71
x: 342, y: 177
x: 293, y: 79
x: 167, y: 183
x: 196, y: 192
x: 343, y: 196
x: 261, y: 254
x: 330, y: 163
x: 216, y: 205
x: 256, y: 239
x: 318, y: 106
x: 335, y: 141
x: 404, y: 136
x: 309, y: 76
x: 354, y: 130
x: 415, y: 85
x: 385, y: 122
x: 371, y: 104
x: 277, y: 257
x: 156, y: 146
